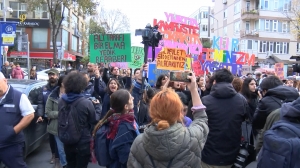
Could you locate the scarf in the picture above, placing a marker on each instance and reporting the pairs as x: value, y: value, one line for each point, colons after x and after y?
x: 115, y: 120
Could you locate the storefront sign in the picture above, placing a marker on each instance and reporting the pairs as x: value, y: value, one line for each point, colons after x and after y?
x: 38, y: 23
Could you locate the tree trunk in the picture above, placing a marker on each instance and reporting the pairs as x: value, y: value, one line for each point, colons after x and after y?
x: 54, y: 46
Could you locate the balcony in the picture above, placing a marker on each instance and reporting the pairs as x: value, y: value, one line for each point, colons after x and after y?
x: 249, y: 33
x: 249, y: 14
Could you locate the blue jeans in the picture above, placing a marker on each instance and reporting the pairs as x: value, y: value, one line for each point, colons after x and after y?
x: 61, y: 151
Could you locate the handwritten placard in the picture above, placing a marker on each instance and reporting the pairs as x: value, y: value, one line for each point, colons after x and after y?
x: 105, y: 48
x: 121, y: 65
x: 153, y: 73
x: 171, y: 59
x: 137, y: 57
x: 279, y: 70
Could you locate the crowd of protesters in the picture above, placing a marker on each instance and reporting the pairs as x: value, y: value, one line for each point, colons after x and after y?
x: 201, y: 123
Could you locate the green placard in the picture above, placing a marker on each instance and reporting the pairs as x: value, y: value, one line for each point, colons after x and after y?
x: 105, y: 48
x: 137, y: 57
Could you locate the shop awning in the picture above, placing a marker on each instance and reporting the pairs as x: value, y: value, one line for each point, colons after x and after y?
x: 40, y: 55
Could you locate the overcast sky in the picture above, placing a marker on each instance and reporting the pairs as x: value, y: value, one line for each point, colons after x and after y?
x: 141, y: 12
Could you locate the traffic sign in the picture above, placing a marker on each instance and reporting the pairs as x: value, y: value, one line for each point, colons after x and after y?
x: 8, y: 33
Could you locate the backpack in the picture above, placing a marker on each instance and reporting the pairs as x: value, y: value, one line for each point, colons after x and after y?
x: 69, y: 131
x: 281, y: 146
x: 101, y: 144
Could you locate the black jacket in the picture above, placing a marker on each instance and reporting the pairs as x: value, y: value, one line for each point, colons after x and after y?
x: 226, y: 110
x: 272, y: 101
x: 107, y: 77
x: 5, y: 72
x: 42, y: 98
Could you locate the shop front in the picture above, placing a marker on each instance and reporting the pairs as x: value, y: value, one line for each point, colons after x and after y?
x: 42, y: 60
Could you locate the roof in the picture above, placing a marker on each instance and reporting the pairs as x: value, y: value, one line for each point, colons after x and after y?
x: 23, y: 81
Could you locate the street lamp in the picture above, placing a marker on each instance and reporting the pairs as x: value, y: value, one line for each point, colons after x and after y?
x: 5, y: 9
x: 210, y: 15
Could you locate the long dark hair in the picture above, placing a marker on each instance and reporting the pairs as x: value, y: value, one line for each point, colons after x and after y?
x: 158, y: 84
x: 118, y: 100
x: 246, y: 91
x: 107, y: 87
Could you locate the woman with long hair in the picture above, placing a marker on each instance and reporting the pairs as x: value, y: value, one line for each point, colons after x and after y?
x: 166, y: 142
x: 249, y: 91
x: 161, y: 80
x: 51, y: 110
x: 33, y: 74
x: 143, y: 117
x: 122, y: 128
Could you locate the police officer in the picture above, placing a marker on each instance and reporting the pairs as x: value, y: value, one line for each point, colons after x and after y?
x: 16, y: 114
x: 53, y: 75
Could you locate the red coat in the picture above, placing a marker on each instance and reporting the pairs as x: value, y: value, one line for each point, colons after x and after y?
x: 17, y: 73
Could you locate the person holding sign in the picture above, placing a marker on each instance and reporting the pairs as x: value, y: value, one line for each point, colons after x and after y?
x: 125, y: 82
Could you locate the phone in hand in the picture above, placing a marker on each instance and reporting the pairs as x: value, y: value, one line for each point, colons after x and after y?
x: 180, y: 76
x: 92, y: 98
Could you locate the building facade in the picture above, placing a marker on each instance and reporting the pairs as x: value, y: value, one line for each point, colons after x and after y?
x: 37, y: 25
x: 262, y: 26
x: 204, y: 21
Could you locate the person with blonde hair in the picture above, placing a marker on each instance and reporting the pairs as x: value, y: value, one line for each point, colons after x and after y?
x: 166, y: 142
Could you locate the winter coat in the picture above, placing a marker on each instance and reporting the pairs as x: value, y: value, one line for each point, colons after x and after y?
x: 51, y: 111
x: 17, y: 73
x: 272, y: 101
x: 180, y: 143
x: 226, y: 110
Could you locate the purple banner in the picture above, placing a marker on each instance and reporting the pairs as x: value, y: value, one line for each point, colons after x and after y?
x: 157, y: 50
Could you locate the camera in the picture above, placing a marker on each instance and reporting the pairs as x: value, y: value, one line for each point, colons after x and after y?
x: 242, y: 156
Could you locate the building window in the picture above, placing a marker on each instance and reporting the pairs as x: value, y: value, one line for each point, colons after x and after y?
x: 225, y: 13
x: 266, y: 4
x: 275, y: 4
x: 298, y: 47
x: 275, y: 25
x: 285, y: 5
x: 74, y: 43
x: 262, y: 46
x: 204, y: 28
x: 225, y: 31
x: 284, y: 27
x: 18, y: 9
x: 74, y: 21
x: 41, y: 12
x: 204, y: 14
x: 39, y: 38
x: 267, y: 25
x: 1, y: 6
x: 66, y: 14
x: 65, y: 38
x: 249, y: 44
x: 237, y: 27
x: 80, y: 47
x: 237, y: 7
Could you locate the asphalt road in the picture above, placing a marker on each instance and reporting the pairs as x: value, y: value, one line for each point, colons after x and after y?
x: 40, y: 158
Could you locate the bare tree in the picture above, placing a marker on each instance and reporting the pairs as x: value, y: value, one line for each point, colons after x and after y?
x: 113, y: 21
x: 83, y: 7
x: 293, y: 16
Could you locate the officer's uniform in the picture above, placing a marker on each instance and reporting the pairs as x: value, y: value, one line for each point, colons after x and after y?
x: 13, y: 107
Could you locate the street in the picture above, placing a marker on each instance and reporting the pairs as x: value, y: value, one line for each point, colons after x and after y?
x: 40, y: 158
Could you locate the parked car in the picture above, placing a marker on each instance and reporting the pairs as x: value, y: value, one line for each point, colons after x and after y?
x: 41, y: 75
x: 35, y: 133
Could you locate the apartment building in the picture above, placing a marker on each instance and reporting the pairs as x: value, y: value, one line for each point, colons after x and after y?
x: 204, y: 21
x: 261, y: 25
x: 36, y: 24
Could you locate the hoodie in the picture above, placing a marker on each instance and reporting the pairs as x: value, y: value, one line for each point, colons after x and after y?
x: 86, y: 114
x: 17, y: 73
x: 273, y: 100
x: 291, y: 111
